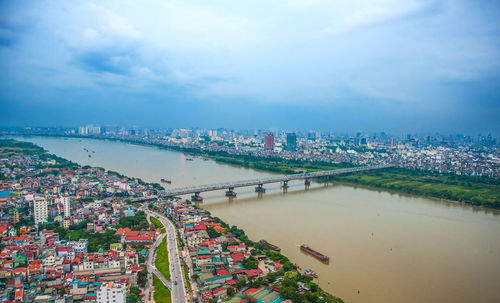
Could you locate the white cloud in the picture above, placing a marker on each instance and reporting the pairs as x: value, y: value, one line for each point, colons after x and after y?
x: 279, y: 51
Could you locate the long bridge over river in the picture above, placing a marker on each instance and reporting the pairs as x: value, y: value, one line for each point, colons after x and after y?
x: 259, y: 183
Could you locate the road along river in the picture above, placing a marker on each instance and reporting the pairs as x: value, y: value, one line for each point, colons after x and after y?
x: 383, y: 247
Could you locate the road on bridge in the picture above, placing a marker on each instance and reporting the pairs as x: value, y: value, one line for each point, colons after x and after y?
x: 260, y: 181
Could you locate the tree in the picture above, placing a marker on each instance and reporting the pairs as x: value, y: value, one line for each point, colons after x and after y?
x: 142, y: 277
x: 212, y: 233
x: 241, y: 283
x: 251, y: 263
x: 132, y: 298
x: 290, y: 279
x: 231, y: 291
x: 271, y: 277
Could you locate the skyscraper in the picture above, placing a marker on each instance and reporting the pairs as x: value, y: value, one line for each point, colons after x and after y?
x: 291, y: 142
x: 269, y: 143
x: 66, y: 206
x: 40, y: 210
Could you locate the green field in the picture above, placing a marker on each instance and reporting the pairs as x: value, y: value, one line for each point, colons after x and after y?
x: 158, y: 224
x: 478, y: 191
x: 10, y: 147
x: 13, y: 147
x: 161, y: 293
x: 161, y: 261
x: 186, y: 276
x: 276, y: 165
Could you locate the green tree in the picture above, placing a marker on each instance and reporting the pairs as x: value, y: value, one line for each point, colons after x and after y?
x: 132, y: 298
x: 251, y: 263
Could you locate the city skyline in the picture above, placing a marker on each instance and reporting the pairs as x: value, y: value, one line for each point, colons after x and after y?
x: 393, y: 66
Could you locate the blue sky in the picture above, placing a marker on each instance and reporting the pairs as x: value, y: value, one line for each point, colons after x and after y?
x: 392, y: 65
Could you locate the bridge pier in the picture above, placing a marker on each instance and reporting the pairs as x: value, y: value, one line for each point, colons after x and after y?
x: 230, y: 192
x: 260, y: 189
x: 196, y: 197
x: 307, y: 183
x: 285, y: 186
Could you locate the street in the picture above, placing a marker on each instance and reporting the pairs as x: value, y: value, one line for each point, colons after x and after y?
x: 151, y: 269
x: 176, y: 273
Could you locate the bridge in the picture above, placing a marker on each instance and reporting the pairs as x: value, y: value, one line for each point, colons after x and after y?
x: 230, y: 186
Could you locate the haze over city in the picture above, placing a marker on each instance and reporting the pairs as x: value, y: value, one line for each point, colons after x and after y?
x: 395, y: 66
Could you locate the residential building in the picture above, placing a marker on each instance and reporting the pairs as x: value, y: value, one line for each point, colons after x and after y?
x: 40, y: 210
x: 66, y: 206
x: 291, y: 142
x: 269, y: 142
x: 112, y: 292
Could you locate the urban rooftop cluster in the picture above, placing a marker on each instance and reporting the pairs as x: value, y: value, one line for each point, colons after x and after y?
x: 80, y: 234
x: 457, y: 154
x: 67, y: 232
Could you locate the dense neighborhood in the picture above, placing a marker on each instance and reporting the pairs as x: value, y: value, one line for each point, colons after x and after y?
x: 83, y: 234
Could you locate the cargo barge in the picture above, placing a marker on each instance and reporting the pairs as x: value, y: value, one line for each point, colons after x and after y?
x: 314, y: 253
x: 270, y: 246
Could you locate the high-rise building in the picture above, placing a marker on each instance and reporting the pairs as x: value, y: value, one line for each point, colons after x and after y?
x: 111, y: 292
x: 14, y: 215
x: 291, y: 142
x: 40, y: 210
x: 269, y: 143
x: 66, y: 206
x: 83, y: 130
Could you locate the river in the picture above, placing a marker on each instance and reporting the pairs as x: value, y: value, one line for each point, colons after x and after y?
x: 383, y: 247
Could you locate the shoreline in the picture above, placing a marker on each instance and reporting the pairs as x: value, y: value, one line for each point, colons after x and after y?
x: 214, y: 158
x: 331, y: 297
x: 494, y: 211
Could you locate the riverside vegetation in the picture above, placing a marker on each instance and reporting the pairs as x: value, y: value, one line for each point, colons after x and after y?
x: 477, y: 191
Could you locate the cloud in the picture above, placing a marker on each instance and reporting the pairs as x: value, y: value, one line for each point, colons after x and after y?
x: 301, y: 53
x: 106, y: 62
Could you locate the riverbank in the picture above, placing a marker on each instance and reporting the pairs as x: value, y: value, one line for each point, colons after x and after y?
x: 474, y: 191
x: 161, y: 261
x: 356, y: 227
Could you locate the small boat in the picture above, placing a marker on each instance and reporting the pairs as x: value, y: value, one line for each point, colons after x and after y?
x: 90, y: 156
x: 269, y: 245
x: 314, y: 253
x: 310, y: 273
x: 166, y: 181
x: 189, y: 159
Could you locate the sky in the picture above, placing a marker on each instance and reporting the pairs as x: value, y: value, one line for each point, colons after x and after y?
x: 361, y: 65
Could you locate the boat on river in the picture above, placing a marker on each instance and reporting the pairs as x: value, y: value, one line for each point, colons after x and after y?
x: 310, y: 273
x: 166, y: 181
x: 312, y: 252
x: 269, y: 245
